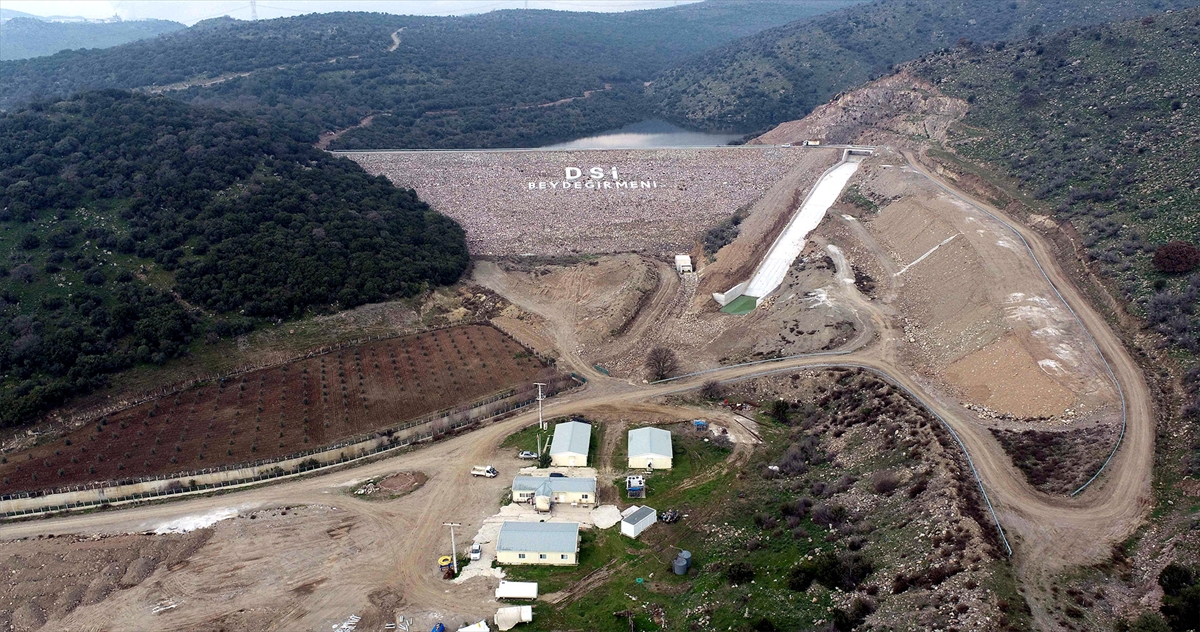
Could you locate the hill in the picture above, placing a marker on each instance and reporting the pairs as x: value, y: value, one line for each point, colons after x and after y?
x: 1104, y: 124
x: 507, y: 78
x: 136, y: 225
x: 8, y: 14
x: 783, y: 73
x: 23, y: 37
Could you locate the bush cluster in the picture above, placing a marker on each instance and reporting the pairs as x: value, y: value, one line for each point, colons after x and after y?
x: 843, y: 571
x: 252, y: 222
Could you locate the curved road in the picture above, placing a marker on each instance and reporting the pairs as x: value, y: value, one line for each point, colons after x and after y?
x: 1049, y: 533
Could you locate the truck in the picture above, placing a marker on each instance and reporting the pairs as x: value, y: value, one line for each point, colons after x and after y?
x: 484, y: 470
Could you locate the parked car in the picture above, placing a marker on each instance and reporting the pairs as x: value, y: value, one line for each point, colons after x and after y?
x: 476, y: 551
x: 526, y: 454
x: 557, y: 475
x: 484, y: 470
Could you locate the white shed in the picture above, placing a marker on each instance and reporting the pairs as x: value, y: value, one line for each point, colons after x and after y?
x: 635, y: 520
x: 683, y: 264
x: 570, y: 445
x: 649, y: 449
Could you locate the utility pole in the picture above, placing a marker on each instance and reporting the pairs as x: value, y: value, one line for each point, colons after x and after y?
x: 254, y: 10
x: 540, y: 397
x: 453, y: 547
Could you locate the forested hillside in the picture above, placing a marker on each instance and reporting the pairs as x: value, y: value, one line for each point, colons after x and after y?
x: 1104, y: 122
x: 781, y: 74
x: 134, y: 225
x: 21, y: 38
x: 507, y: 78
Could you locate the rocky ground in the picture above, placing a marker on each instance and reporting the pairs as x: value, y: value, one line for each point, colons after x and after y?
x: 488, y: 193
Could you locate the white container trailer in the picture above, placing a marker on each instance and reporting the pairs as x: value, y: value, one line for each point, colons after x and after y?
x: 517, y: 590
x: 636, y: 521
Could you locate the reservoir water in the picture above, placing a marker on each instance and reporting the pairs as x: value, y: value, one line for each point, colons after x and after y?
x: 648, y: 135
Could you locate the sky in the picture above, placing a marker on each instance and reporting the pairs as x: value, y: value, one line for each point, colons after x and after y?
x: 191, y: 11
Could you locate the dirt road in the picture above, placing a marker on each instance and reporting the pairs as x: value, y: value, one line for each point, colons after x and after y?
x: 396, y: 540
x: 1058, y: 532
x: 561, y: 317
x: 401, y: 536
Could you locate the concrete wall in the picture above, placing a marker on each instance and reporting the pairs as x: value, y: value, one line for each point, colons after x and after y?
x: 731, y: 294
x: 513, y: 558
x: 643, y: 462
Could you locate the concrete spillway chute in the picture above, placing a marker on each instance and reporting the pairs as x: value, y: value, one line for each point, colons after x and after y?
x: 771, y: 272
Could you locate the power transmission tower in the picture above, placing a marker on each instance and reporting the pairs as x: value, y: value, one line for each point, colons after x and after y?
x: 540, y: 397
x: 254, y: 10
x: 453, y: 547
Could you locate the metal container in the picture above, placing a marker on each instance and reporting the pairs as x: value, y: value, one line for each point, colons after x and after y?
x: 680, y: 566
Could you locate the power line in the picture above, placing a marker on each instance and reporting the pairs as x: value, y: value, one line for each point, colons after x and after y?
x: 540, y: 397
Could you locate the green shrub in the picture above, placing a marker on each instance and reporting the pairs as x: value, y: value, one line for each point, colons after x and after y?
x: 739, y: 572
x: 844, y: 571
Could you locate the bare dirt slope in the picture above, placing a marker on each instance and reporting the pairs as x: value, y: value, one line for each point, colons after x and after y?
x: 767, y: 218
x: 896, y: 105
x: 978, y: 315
x: 1013, y: 335
x: 612, y: 310
x: 377, y: 557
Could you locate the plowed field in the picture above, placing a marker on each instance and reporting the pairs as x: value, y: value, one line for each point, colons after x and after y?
x: 282, y: 410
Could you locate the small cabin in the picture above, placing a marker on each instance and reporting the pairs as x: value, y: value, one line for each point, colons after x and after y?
x: 569, y: 447
x: 636, y: 519
x: 650, y: 449
x: 683, y: 264
x: 548, y: 543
